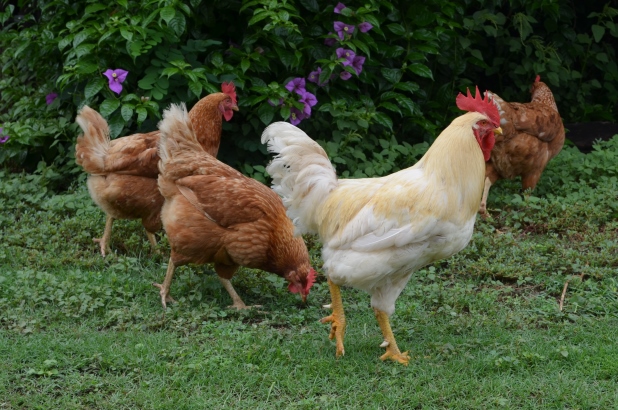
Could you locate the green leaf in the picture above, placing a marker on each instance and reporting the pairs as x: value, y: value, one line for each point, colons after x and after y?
x: 170, y: 71
x: 93, y: 8
x: 127, y: 111
x: 408, y: 86
x: 266, y: 113
x: 178, y: 24
x: 126, y: 34
x: 407, y: 104
x: 244, y: 65
x: 258, y: 18
x: 116, y: 124
x: 390, y: 106
x: 142, y: 114
x: 421, y: 70
x: 396, y: 29
x: 196, y: 88
x: 108, y: 107
x: 325, y: 76
x: 83, y: 49
x: 476, y: 54
x: 285, y: 112
x: 392, y: 75
x: 598, y: 32
x: 167, y: 14
x: 311, y: 5
x: 147, y: 82
x: 383, y: 119
x: 93, y: 87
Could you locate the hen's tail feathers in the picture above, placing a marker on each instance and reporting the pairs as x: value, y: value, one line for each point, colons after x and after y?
x: 301, y: 172
x: 92, y: 146
x: 177, y: 134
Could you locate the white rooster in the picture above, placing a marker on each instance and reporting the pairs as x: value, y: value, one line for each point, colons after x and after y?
x: 376, y: 232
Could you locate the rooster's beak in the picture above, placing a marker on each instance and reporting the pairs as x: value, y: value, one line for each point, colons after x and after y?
x: 498, y: 131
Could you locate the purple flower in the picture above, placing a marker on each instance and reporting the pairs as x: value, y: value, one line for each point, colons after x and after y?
x: 3, y: 138
x: 116, y: 78
x: 309, y: 101
x: 345, y: 76
x: 340, y: 6
x: 347, y: 54
x: 365, y: 27
x: 341, y: 28
x: 357, y: 64
x: 297, y: 85
x: 314, y: 77
x: 49, y: 98
x: 296, y: 116
x: 330, y: 41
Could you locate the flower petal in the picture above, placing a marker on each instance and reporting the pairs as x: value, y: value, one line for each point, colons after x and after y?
x: 365, y: 26
x: 340, y: 6
x: 345, y: 76
x: 121, y: 74
x: 115, y: 86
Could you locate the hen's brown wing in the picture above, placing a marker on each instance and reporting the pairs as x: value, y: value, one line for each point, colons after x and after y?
x: 533, y: 118
x: 229, y: 200
x: 134, y: 155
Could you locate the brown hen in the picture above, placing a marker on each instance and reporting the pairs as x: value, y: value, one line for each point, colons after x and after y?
x: 123, y: 172
x: 214, y: 214
x: 532, y: 134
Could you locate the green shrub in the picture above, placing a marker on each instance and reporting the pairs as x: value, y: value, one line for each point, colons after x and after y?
x: 418, y: 55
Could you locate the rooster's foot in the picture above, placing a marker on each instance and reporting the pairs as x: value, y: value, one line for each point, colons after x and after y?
x: 396, y: 355
x: 337, y: 331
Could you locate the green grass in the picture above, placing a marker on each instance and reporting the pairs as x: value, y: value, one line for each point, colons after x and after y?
x: 483, y: 328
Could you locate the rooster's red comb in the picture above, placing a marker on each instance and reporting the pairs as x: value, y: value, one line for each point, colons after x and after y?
x: 478, y: 104
x: 537, y: 79
x: 229, y: 89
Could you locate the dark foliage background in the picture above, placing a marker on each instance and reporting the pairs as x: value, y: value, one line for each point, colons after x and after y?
x: 419, y: 55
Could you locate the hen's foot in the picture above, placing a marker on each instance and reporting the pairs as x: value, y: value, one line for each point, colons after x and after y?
x: 241, y: 306
x: 165, y: 295
x: 103, y: 245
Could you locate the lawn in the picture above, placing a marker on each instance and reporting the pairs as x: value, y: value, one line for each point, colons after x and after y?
x: 484, y: 328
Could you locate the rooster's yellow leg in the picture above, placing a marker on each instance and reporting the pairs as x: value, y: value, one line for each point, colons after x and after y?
x: 337, y: 318
x: 104, y: 240
x: 238, y: 303
x: 164, y: 289
x: 483, y: 207
x: 392, y: 351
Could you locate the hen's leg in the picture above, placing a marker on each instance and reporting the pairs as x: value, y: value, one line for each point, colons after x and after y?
x: 238, y: 303
x: 104, y: 240
x: 164, y: 289
x: 483, y: 207
x: 392, y: 351
x: 152, y: 239
x: 337, y: 318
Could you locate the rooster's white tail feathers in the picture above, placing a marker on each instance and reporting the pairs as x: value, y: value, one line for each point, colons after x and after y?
x: 176, y: 134
x: 301, y: 172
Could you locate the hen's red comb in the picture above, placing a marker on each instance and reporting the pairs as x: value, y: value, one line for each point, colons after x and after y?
x: 537, y: 79
x: 229, y: 89
x: 310, y: 279
x: 478, y: 104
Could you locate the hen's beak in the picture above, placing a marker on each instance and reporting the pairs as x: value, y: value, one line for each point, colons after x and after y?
x: 498, y: 131
x: 235, y: 107
x: 304, y: 298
